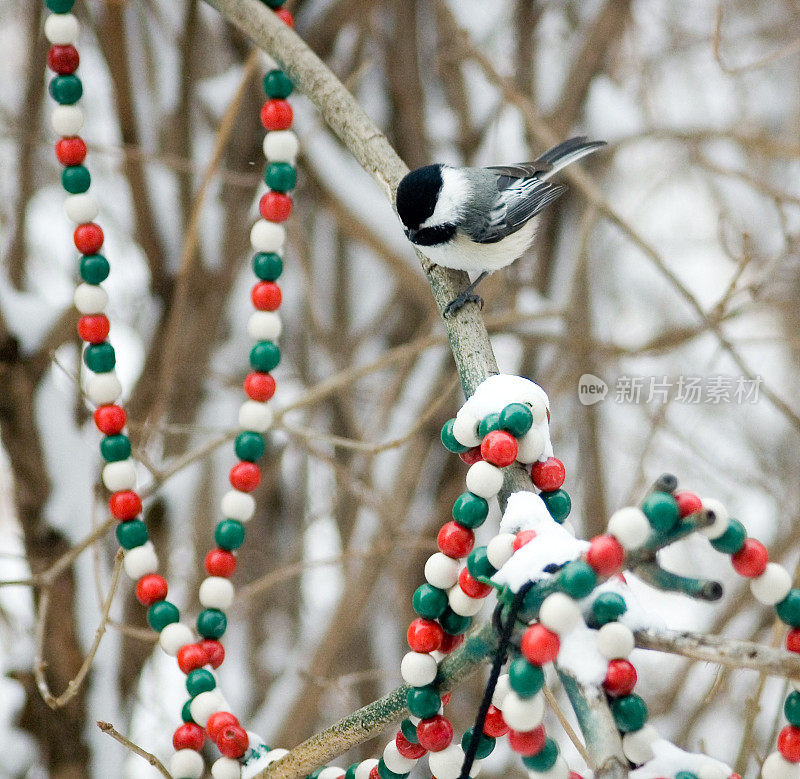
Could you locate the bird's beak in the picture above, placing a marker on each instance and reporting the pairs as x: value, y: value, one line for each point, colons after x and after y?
x: 411, y: 234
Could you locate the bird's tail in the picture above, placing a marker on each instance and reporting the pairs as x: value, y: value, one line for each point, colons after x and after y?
x: 566, y: 153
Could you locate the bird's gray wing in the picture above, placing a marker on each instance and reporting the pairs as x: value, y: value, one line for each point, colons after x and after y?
x: 521, y: 170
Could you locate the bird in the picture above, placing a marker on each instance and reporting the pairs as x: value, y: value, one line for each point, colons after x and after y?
x: 481, y: 219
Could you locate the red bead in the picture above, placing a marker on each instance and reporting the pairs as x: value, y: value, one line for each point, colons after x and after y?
x: 219, y: 720
x: 540, y: 645
x: 549, y: 474
x: 751, y: 560
x: 94, y: 328
x: 407, y: 749
x: 688, y: 503
x: 191, y: 657
x: 522, y: 538
x: 789, y: 743
x: 88, y: 238
x: 150, y: 589
x: 472, y: 587
x: 471, y: 456
x: 424, y: 635
x: 605, y: 555
x: 285, y: 16
x: 449, y: 643
x: 527, y: 742
x: 63, y: 59
x: 734, y: 776
x: 793, y: 640
x: 189, y: 736
x: 435, y: 733
x: 71, y: 151
x: 232, y: 741
x: 110, y: 419
x: 374, y: 773
x: 275, y: 206
x: 276, y: 115
x: 125, y: 505
x: 446, y: 698
x: 499, y: 448
x: 576, y: 775
x: 259, y: 386
x: 455, y: 541
x: 494, y: 725
x: 215, y: 652
x: 245, y: 476
x: 220, y: 562
x: 620, y: 678
x: 266, y: 296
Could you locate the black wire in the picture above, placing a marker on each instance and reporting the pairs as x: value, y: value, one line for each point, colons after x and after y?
x: 494, y: 675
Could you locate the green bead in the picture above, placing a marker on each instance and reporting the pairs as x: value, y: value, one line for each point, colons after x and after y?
x: 488, y: 424
x: 60, y: 6
x: 350, y: 773
x: 200, y: 680
x: 278, y: 84
x: 409, y: 730
x: 685, y: 775
x: 516, y: 418
x: 577, y: 579
x: 161, y: 614
x: 449, y: 440
x: 94, y: 268
x: 630, y: 713
x: 265, y: 356
x: 544, y: 760
x: 132, y: 534
x: 429, y: 601
x: 211, y: 623
x: 315, y: 774
x: 186, y: 714
x: 661, y: 510
x: 229, y: 534
x: 558, y: 504
x: 478, y: 563
x: 791, y: 708
x: 100, y: 358
x: 280, y: 176
x: 454, y: 624
x: 732, y: 540
x: 75, y: 179
x: 788, y: 609
x: 249, y: 446
x: 423, y: 702
x: 608, y: 607
x: 525, y: 678
x: 267, y: 266
x: 385, y: 773
x: 274, y: 3
x: 485, y: 744
x: 66, y: 89
x: 115, y: 448
x: 470, y: 510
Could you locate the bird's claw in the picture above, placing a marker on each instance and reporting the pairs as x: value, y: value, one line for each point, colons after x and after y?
x: 455, y: 305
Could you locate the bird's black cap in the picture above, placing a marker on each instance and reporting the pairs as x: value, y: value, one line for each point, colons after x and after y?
x: 417, y: 195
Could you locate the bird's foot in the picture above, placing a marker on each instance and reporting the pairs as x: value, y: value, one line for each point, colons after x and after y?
x: 467, y: 296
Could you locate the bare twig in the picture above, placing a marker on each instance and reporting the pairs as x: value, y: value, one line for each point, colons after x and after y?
x: 110, y: 730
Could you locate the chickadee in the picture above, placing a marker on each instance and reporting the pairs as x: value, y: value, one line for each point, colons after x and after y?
x: 481, y: 219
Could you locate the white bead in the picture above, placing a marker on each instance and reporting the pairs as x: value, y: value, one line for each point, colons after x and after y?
x: 203, y: 706
x: 776, y: 766
x: 721, y: 519
x: 615, y: 640
x: 501, y: 689
x: 264, y: 326
x: 523, y: 713
x: 630, y: 527
x: 710, y: 770
x: 186, y: 763
x: 331, y: 772
x: 500, y: 549
x: 446, y: 764
x: 61, y: 30
x: 81, y: 208
x: 465, y: 430
x: 255, y: 416
x: 140, y: 560
x: 772, y: 586
x: 364, y: 768
x: 559, y: 613
x: 120, y: 475
x: 226, y: 768
x: 103, y: 388
x: 539, y: 410
x: 418, y: 669
x: 463, y: 604
x: 238, y: 505
x: 267, y: 236
x: 441, y: 571
x: 637, y: 746
x: 795, y: 684
x: 67, y: 120
x: 484, y: 479
x: 174, y: 636
x: 395, y: 761
x: 281, y: 146
x: 560, y: 770
x: 216, y: 592
x: 90, y: 298
x: 530, y: 447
